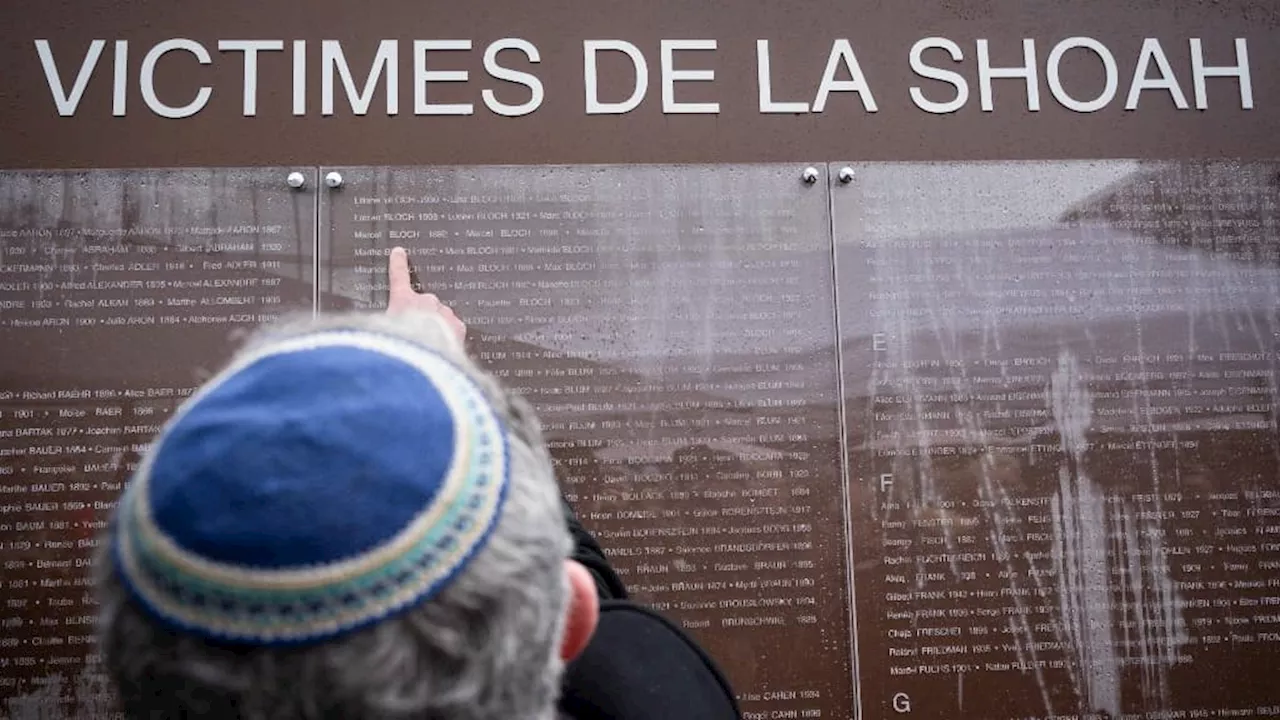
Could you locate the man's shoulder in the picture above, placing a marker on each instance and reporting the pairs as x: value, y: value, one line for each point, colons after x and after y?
x: 638, y: 666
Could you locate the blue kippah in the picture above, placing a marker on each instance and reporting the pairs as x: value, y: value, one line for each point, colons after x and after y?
x: 317, y: 485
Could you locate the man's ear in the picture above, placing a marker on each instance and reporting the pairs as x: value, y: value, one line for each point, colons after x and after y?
x: 581, y: 613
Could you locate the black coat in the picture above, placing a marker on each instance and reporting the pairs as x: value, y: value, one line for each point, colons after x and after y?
x: 638, y: 665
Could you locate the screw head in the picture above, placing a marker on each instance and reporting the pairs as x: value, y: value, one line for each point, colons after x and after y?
x: 296, y: 180
x: 333, y: 179
x: 810, y: 175
x: 846, y: 175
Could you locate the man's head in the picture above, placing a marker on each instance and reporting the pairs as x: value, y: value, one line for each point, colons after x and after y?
x: 350, y: 521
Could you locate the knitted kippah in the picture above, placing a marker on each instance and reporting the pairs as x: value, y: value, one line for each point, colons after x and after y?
x: 314, y: 487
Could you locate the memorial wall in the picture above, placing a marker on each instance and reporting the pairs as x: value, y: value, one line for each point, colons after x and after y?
x: 985, y: 440
x: 918, y: 359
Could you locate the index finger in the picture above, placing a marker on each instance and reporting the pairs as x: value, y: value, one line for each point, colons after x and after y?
x: 398, y: 279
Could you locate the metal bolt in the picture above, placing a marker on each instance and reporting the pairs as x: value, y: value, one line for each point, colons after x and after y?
x: 333, y: 180
x: 810, y: 175
x: 846, y: 175
x: 296, y: 180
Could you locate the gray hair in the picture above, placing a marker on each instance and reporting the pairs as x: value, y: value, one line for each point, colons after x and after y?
x: 486, y: 647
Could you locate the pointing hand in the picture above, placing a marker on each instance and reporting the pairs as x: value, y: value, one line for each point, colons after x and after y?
x: 407, y: 296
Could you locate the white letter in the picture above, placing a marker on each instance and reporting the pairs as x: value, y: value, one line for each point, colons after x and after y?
x: 332, y: 59
x: 250, y: 49
x: 1026, y: 70
x: 594, y: 106
x: 842, y: 51
x: 765, y: 84
x: 119, y: 87
x: 492, y: 67
x: 1108, y: 64
x: 67, y: 102
x: 299, y: 77
x: 1151, y: 50
x: 947, y: 76
x: 148, y: 85
x: 422, y: 76
x: 1199, y: 71
x: 670, y: 75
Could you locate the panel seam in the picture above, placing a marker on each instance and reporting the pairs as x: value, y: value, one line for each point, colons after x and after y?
x: 843, y: 439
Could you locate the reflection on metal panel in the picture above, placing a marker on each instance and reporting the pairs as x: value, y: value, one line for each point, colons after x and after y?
x: 1059, y: 386
x: 675, y: 329
x: 1060, y: 381
x: 119, y: 292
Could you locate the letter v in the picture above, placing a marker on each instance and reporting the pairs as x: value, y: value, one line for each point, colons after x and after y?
x: 67, y: 103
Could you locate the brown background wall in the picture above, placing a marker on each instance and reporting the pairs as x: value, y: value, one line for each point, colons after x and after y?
x: 801, y: 34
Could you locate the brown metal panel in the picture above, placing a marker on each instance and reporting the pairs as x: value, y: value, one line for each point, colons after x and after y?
x: 673, y: 326
x: 1061, y: 389
x: 120, y: 292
